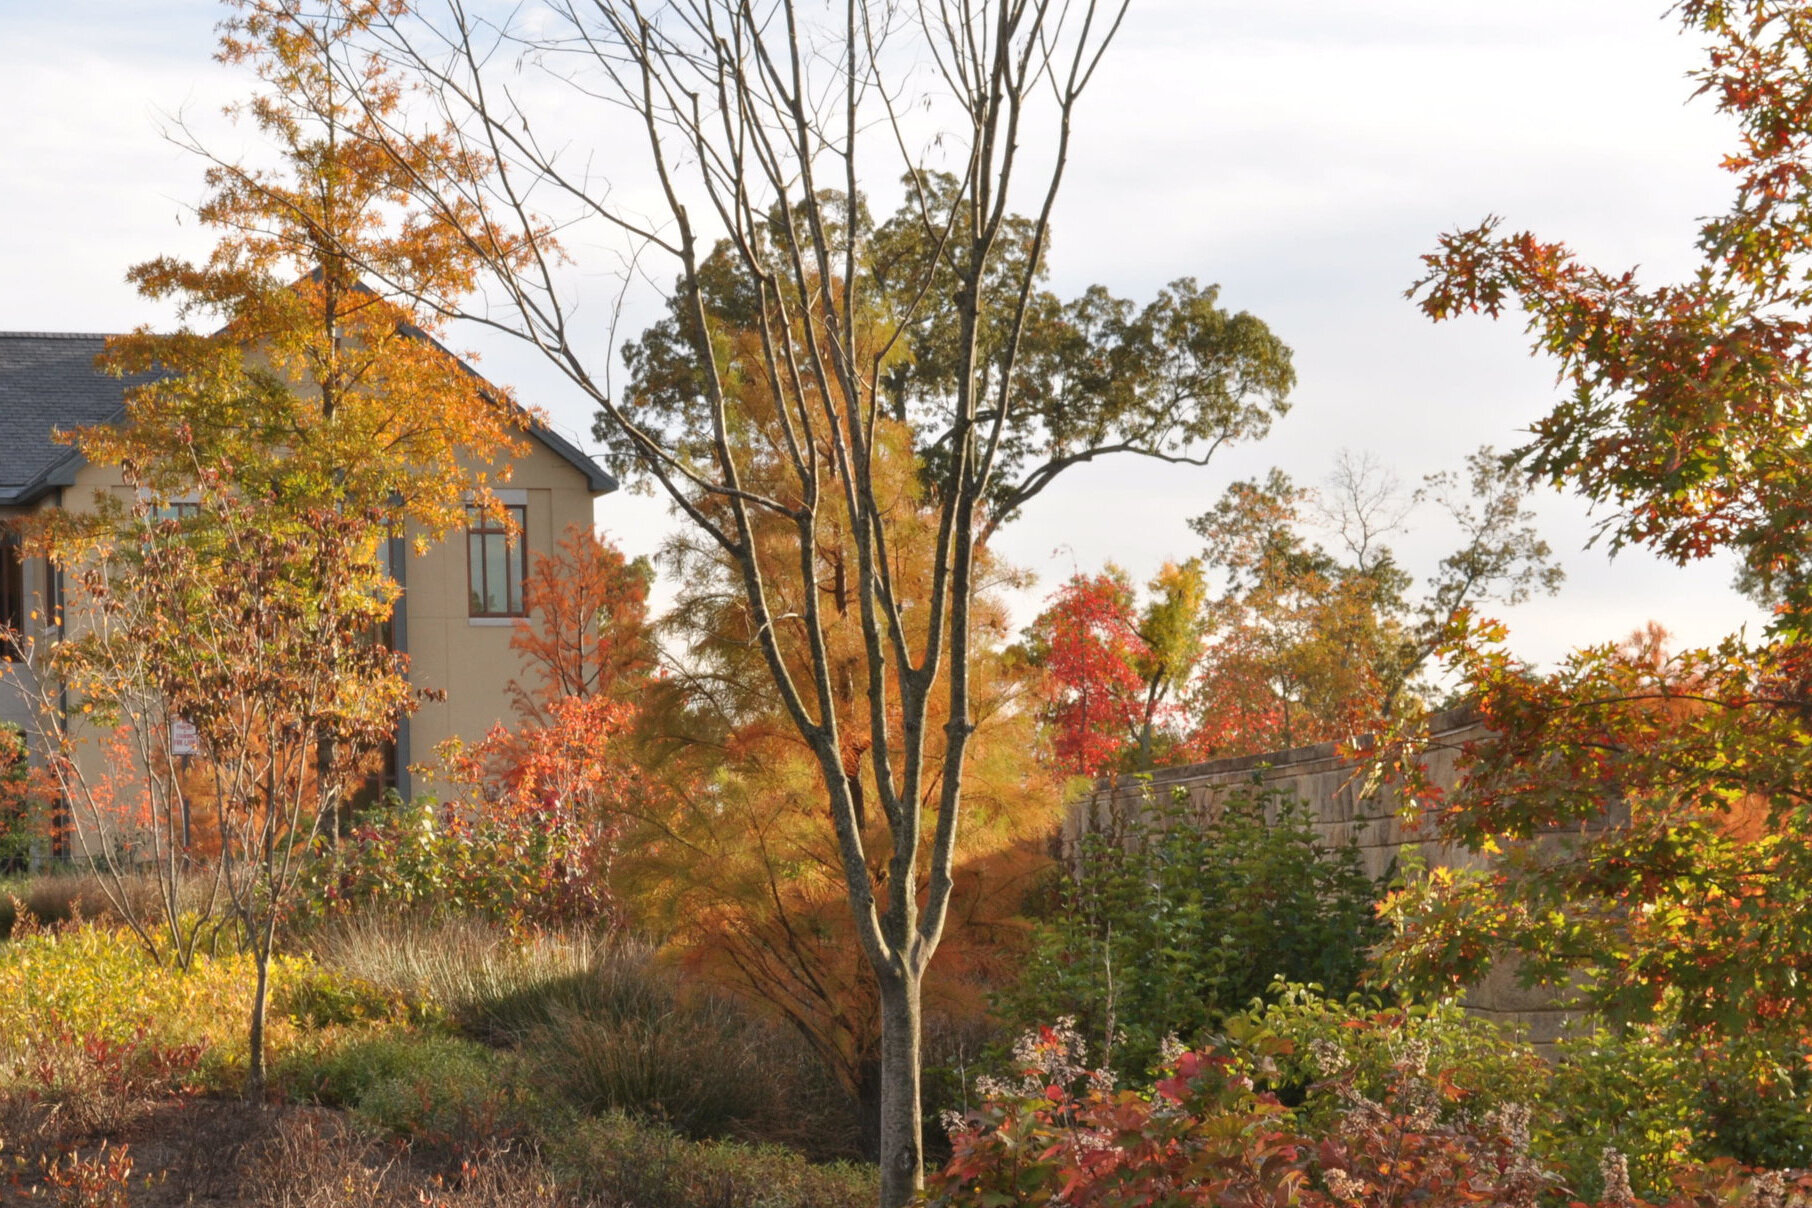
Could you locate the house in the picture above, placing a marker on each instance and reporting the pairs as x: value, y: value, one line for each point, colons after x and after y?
x: 460, y: 598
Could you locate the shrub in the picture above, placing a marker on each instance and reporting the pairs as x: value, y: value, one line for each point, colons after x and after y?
x: 1484, y: 1062
x: 1664, y: 1101
x: 1755, y: 1099
x: 1062, y: 1134
x: 1203, y: 1134
x: 1173, y: 922
x: 621, y: 1160
x: 16, y: 803
x: 439, y: 1089
x: 699, y: 1069
x: 523, y: 863
x: 319, y: 997
x: 95, y: 985
x: 1667, y: 1096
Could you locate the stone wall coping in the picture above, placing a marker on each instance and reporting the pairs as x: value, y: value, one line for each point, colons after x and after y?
x: 1445, y: 722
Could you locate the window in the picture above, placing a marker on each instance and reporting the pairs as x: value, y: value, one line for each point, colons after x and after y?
x: 496, y: 561
x: 178, y: 510
x: 12, y: 591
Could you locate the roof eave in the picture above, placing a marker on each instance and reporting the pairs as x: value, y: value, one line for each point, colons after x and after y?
x: 59, y: 473
x: 599, y: 480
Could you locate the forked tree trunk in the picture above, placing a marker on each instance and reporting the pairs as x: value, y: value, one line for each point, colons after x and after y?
x: 902, y: 1122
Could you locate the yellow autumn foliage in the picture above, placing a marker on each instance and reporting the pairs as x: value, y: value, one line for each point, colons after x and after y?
x: 94, y: 984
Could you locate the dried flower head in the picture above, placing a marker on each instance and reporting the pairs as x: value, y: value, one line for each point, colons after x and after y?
x: 1614, y: 1168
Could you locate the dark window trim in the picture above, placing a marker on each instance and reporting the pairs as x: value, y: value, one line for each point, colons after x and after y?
x: 12, y: 590
x: 479, y: 523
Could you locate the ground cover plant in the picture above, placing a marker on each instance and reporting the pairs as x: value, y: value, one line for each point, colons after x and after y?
x: 1384, y: 1107
x: 108, y: 1048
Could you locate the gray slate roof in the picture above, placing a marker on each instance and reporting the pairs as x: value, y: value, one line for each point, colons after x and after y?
x: 48, y: 382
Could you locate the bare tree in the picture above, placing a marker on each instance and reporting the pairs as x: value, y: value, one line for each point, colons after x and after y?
x: 763, y: 123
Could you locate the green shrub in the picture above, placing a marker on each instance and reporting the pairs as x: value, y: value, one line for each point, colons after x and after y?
x: 418, y: 1085
x: 1755, y: 1100
x: 1367, y: 1040
x: 621, y: 1160
x: 1173, y: 922
x: 1663, y: 1095
x: 1661, y: 1098
x: 319, y: 997
x: 510, y: 861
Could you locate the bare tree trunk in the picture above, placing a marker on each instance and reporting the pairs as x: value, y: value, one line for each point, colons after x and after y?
x: 254, y: 1065
x: 902, y: 1120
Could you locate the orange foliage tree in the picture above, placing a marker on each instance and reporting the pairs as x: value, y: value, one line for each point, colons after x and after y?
x: 543, y: 805
x: 589, y: 634
x: 1301, y: 643
x: 1667, y: 794
x: 1114, y: 671
x: 311, y: 424
x: 735, y: 863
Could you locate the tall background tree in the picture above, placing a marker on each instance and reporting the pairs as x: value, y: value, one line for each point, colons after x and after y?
x: 804, y: 341
x: 1295, y: 624
x: 736, y: 865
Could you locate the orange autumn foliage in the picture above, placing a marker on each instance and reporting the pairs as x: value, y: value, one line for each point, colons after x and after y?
x: 738, y: 866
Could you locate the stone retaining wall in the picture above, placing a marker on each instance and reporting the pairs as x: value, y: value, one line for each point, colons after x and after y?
x: 1334, y: 791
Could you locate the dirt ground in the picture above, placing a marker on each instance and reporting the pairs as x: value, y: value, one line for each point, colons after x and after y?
x: 228, y: 1153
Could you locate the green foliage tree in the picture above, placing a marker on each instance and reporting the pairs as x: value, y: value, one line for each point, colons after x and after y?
x: 1173, y: 922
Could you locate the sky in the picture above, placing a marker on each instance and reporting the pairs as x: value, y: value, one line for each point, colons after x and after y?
x: 1301, y: 153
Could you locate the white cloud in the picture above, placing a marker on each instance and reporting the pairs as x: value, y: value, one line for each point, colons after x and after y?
x: 1301, y: 152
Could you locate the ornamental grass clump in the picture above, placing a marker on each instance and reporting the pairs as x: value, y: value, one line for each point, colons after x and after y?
x: 488, y: 980
x: 631, y: 1037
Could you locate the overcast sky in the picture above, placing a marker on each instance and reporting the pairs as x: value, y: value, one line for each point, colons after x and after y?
x: 1302, y: 153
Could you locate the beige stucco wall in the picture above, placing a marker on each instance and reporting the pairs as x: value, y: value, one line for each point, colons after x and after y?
x: 469, y: 660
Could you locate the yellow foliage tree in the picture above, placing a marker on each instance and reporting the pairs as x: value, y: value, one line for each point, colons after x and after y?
x: 275, y: 454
